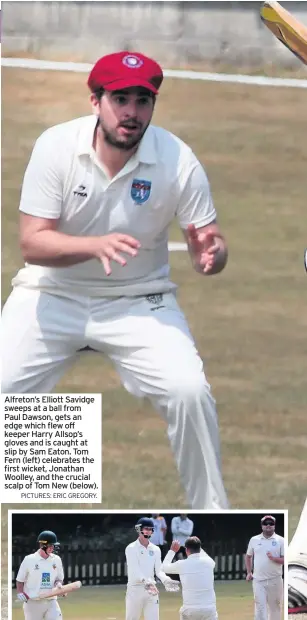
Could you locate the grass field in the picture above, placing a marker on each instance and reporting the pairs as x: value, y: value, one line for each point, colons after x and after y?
x: 234, y: 600
x: 249, y: 323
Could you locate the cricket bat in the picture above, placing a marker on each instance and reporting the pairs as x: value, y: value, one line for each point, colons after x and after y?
x: 291, y: 32
x: 70, y: 587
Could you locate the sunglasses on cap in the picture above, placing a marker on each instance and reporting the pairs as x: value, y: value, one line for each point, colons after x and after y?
x: 268, y: 523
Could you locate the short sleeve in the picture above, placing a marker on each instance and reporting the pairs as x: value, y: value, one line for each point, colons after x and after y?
x: 195, y: 205
x: 60, y: 570
x: 250, y: 548
x: 22, y: 573
x: 42, y: 187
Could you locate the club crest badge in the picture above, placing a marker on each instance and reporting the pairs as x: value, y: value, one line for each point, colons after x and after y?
x: 132, y: 61
x: 274, y: 543
x: 140, y: 190
x: 151, y: 552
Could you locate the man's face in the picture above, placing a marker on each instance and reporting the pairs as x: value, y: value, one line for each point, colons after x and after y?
x: 146, y: 531
x: 47, y: 550
x: 124, y: 116
x: 183, y: 517
x: 268, y: 528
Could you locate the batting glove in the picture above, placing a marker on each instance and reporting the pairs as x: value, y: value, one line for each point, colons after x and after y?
x: 171, y: 585
x: 22, y: 597
x: 59, y: 585
x: 150, y: 587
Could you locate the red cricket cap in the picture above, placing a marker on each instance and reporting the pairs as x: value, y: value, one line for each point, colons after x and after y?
x: 124, y: 70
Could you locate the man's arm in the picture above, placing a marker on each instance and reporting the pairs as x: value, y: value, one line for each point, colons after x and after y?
x: 42, y: 244
x: 19, y: 586
x: 133, y: 568
x: 174, y: 526
x: 279, y: 560
x: 207, y: 248
x: 186, y: 528
x: 172, y: 568
x: 158, y: 566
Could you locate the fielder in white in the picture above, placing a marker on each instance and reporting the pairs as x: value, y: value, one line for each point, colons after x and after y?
x: 265, y: 553
x: 143, y: 565
x: 297, y: 566
x: 197, y: 580
x: 97, y: 200
x: 38, y: 572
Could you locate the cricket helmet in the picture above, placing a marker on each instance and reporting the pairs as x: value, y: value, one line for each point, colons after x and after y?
x: 47, y: 538
x: 145, y: 522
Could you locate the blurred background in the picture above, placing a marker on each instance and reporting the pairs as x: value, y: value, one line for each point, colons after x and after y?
x: 176, y: 34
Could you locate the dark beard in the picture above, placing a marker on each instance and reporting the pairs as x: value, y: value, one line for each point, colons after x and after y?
x: 118, y: 144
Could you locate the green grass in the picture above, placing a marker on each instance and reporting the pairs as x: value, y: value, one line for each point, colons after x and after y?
x: 234, y: 600
x: 249, y: 323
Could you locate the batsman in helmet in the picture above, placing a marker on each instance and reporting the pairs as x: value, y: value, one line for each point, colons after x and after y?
x: 143, y: 567
x: 39, y: 572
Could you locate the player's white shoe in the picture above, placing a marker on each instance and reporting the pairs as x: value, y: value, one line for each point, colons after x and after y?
x: 297, y: 590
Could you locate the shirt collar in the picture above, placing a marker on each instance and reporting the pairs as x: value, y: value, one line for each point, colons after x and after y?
x: 142, y: 546
x: 270, y: 538
x: 146, y: 152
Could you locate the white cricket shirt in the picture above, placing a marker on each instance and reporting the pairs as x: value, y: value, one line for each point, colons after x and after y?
x: 158, y: 536
x: 196, y: 576
x: 39, y: 574
x: 143, y: 563
x: 181, y: 529
x: 258, y: 547
x: 65, y: 181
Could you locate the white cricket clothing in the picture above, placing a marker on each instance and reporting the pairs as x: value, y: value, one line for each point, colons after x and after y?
x: 65, y: 181
x: 145, y: 338
x: 42, y: 610
x: 268, y: 598
x: 297, y: 552
x: 143, y: 563
x: 197, y: 579
x: 158, y: 536
x: 138, y: 602
x: 181, y: 529
x: 258, y: 547
x: 39, y: 574
x: 188, y: 613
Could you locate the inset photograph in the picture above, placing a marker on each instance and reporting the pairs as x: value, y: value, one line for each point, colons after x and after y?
x: 95, y: 565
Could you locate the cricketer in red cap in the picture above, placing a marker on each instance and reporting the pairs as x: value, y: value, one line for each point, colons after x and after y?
x: 125, y: 70
x: 124, y: 86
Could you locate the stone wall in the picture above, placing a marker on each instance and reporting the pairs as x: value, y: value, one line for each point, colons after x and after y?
x: 177, y: 34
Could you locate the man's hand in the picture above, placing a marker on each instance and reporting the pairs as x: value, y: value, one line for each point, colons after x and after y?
x: 150, y: 587
x: 22, y: 597
x: 171, y: 585
x: 175, y: 546
x: 249, y: 577
x: 204, y: 248
x: 271, y: 556
x: 59, y: 585
x: 107, y: 248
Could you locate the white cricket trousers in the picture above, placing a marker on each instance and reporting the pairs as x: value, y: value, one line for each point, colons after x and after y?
x: 268, y: 597
x: 139, y: 601
x: 42, y: 610
x: 198, y: 613
x: 154, y: 353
